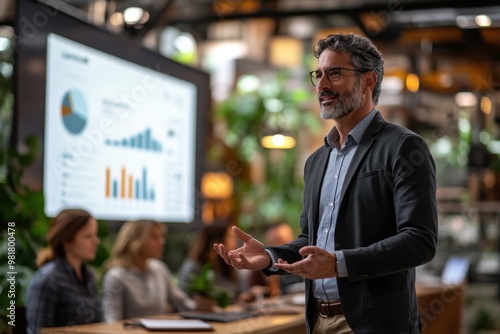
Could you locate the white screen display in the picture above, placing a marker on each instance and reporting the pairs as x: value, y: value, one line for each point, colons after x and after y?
x: 119, y: 137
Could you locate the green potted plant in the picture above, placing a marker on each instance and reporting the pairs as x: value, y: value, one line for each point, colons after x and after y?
x: 205, y: 294
x: 483, y: 322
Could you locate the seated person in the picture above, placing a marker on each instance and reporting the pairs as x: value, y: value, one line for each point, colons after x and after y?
x: 63, y: 290
x: 138, y: 283
x: 226, y: 277
x: 273, y: 286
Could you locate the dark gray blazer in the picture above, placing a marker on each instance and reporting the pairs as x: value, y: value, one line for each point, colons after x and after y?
x: 387, y: 225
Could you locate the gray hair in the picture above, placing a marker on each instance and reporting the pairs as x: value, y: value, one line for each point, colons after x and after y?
x: 364, y: 55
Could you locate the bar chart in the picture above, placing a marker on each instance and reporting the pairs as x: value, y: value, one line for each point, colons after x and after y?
x: 128, y: 186
x: 140, y: 141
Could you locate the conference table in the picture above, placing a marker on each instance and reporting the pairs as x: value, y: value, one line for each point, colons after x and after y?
x: 264, y: 323
x: 441, y: 308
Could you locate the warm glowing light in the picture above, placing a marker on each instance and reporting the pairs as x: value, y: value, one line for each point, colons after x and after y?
x: 116, y: 19
x: 278, y: 141
x: 486, y: 105
x: 465, y: 99
x: 392, y: 84
x: 216, y: 185
x: 286, y: 52
x: 412, y: 82
x: 483, y: 20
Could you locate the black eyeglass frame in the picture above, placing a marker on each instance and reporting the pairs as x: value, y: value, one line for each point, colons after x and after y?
x: 328, y: 75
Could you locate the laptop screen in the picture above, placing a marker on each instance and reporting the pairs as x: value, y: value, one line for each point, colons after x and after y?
x: 455, y: 270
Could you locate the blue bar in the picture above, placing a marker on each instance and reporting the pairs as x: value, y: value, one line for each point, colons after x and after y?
x: 132, y: 142
x: 147, y: 136
x: 139, y: 141
x: 124, y: 142
x: 152, y: 195
x: 156, y: 146
x: 137, y: 194
x: 115, y: 188
x: 144, y: 182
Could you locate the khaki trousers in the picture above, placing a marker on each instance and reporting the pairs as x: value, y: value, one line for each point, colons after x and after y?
x: 335, y: 324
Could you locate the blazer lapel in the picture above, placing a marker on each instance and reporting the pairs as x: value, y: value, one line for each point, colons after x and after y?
x: 363, y: 148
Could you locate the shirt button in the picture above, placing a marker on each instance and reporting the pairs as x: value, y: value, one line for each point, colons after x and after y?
x: 331, y: 204
x: 335, y: 176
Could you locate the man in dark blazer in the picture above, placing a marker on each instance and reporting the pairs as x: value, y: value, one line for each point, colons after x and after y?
x: 369, y: 211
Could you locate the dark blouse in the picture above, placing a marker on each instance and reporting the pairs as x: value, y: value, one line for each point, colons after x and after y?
x: 57, y: 297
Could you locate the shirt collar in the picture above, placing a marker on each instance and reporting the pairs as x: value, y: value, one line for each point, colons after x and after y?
x: 356, y: 133
x: 69, y: 269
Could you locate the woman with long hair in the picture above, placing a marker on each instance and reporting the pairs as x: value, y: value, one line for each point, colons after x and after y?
x: 138, y: 283
x: 63, y: 290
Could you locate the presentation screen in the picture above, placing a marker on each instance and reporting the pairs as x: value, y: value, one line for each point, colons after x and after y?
x: 121, y: 126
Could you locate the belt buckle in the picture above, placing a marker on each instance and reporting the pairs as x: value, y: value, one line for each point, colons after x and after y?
x: 319, y: 303
x: 322, y: 315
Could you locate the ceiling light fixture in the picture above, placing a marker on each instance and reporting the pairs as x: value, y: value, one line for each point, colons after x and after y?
x: 133, y: 15
x: 483, y: 20
x: 412, y: 82
x: 466, y: 99
x: 486, y: 105
x: 278, y: 141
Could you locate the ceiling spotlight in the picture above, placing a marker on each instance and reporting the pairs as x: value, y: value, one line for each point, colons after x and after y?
x: 465, y: 21
x: 132, y: 15
x: 483, y: 20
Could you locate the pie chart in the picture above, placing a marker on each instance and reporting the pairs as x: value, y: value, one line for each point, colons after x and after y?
x: 74, y: 111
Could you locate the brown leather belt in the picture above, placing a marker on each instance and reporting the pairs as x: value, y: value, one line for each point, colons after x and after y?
x: 327, y: 308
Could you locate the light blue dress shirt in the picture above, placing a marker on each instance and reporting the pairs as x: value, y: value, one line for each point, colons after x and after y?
x: 338, y: 165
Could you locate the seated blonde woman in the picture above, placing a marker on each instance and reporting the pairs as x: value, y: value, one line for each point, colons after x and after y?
x: 138, y: 283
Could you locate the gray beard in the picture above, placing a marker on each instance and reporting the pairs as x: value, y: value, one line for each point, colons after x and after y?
x: 346, y: 104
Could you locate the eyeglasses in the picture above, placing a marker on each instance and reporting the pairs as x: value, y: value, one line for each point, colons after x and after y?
x: 333, y: 74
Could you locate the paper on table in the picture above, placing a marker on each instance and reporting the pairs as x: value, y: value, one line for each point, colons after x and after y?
x: 177, y: 325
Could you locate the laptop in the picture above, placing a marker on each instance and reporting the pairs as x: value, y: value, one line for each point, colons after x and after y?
x: 165, y: 325
x: 455, y: 271
x: 227, y: 316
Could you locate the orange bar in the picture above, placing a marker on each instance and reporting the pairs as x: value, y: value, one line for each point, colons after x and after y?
x: 123, y: 183
x: 130, y: 186
x: 108, y: 182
